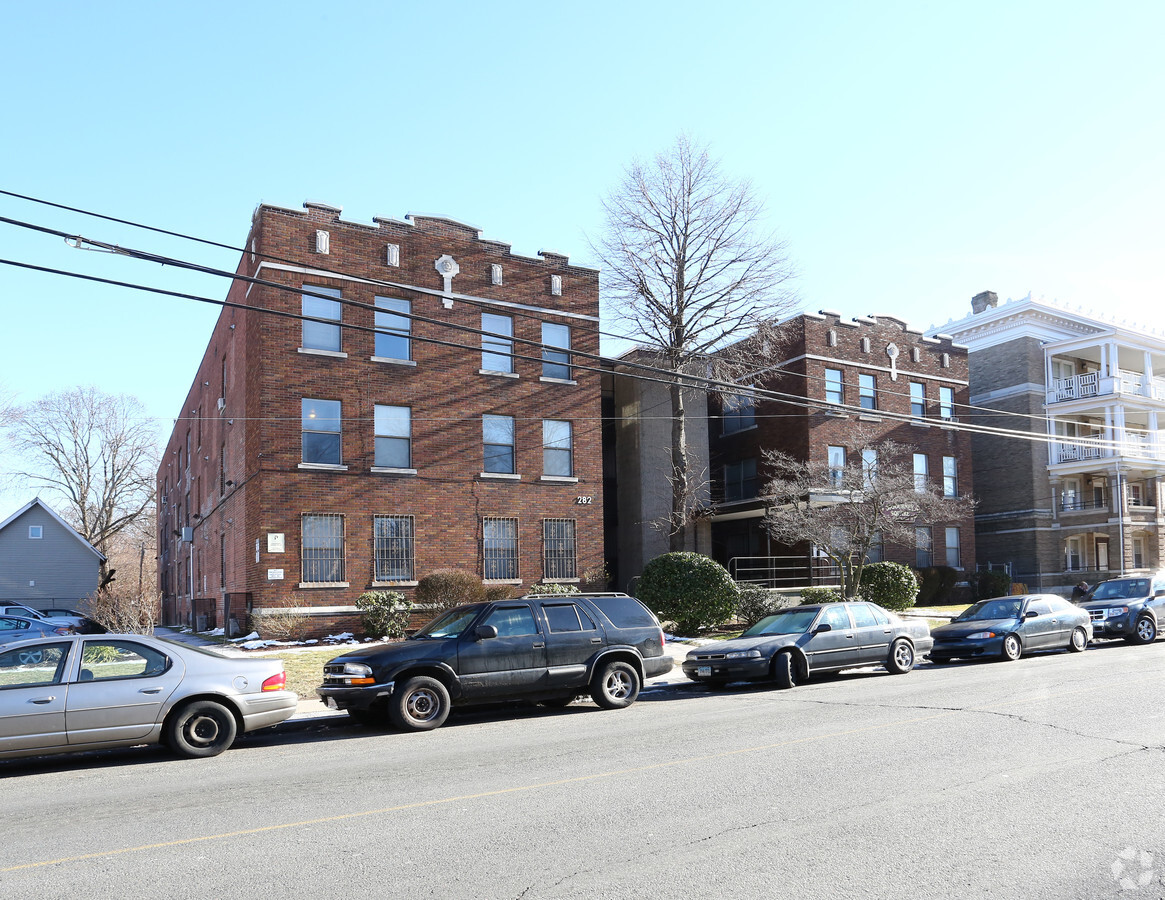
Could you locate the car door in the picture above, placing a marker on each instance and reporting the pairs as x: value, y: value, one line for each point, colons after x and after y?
x: 118, y: 690
x: 873, y: 637
x: 511, y: 664
x: 835, y: 647
x: 32, y: 696
x: 572, y: 638
x: 1042, y: 630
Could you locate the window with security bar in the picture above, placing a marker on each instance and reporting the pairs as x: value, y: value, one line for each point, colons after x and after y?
x: 392, y: 538
x: 499, y: 549
x: 559, y: 549
x: 323, y: 549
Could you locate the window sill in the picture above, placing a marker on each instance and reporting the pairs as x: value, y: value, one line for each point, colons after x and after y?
x: 312, y: 351
x: 322, y: 467
x: 389, y: 470
x: 497, y: 373
x: 500, y: 476
x: 501, y: 581
x: 559, y: 479
x: 869, y: 417
x: 392, y: 584
x: 388, y: 360
x: 548, y: 380
x: 323, y: 584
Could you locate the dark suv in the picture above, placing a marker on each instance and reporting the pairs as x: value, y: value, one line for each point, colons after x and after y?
x: 541, y: 647
x: 1129, y: 608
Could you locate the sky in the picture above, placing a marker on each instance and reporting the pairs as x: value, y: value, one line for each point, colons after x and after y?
x: 911, y: 154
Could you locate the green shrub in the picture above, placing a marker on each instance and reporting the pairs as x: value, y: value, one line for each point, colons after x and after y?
x: 553, y: 588
x: 755, y: 603
x: 689, y: 589
x: 446, y: 588
x: 385, y: 613
x: 820, y: 595
x: 498, y: 592
x: 993, y: 583
x: 596, y: 578
x: 890, y: 585
x: 928, y: 582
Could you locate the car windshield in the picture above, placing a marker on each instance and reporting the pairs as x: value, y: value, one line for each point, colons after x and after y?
x: 1121, y: 590
x: 792, y: 621
x: 449, y: 625
x: 1004, y: 608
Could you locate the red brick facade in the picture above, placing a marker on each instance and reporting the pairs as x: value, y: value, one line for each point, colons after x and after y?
x: 242, y: 486
x: 883, y: 349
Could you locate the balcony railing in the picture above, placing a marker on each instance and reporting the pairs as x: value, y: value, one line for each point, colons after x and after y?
x: 1070, y: 503
x: 1075, y: 388
x: 1092, y: 384
x: 1132, y: 446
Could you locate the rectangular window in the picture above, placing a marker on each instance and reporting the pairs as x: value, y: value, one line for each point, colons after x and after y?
x: 321, y: 431
x: 1135, y: 494
x: 917, y: 399
x: 950, y: 476
x: 392, y: 548
x: 834, y: 392
x: 1138, y: 553
x: 393, y: 437
x: 946, y: 402
x: 869, y: 466
x: 498, y: 439
x: 321, y: 335
x: 222, y: 469
x: 499, y: 549
x: 393, y: 328
x: 559, y: 551
x: 921, y: 472
x: 877, y: 551
x: 740, y: 480
x: 323, y: 549
x: 36, y: 532
x: 924, y: 547
x: 836, y: 457
x: 497, y: 347
x: 557, y: 452
x: 739, y: 413
x: 555, y: 351
x: 867, y: 392
x: 1073, y: 556
x: 954, y: 557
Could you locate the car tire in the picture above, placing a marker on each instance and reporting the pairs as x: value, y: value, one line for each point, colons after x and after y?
x: 1012, y: 648
x: 785, y: 671
x: 200, y: 729
x: 32, y: 657
x: 1079, y: 640
x: 901, y: 659
x: 615, y: 685
x: 420, y: 704
x: 1145, y: 630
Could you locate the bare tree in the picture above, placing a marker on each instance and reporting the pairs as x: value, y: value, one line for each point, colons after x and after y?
x: 98, y: 452
x: 843, y: 511
x: 688, y: 271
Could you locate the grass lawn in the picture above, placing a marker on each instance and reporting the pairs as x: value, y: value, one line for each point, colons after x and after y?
x: 305, y: 668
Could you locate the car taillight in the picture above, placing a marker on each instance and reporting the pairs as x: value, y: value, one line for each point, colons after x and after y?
x: 276, y: 682
x: 661, y: 641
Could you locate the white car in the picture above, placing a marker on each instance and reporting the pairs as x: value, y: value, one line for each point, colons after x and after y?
x: 16, y: 609
x: 95, y: 691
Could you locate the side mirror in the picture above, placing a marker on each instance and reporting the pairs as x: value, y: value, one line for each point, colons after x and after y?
x: 823, y: 627
x: 485, y: 632
x: 1030, y: 614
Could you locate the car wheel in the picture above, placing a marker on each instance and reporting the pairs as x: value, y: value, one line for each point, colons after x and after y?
x: 615, y: 685
x: 201, y: 728
x: 1012, y: 648
x: 421, y: 704
x: 1079, y: 640
x: 30, y: 657
x: 901, y: 658
x: 1145, y: 631
x: 785, y: 671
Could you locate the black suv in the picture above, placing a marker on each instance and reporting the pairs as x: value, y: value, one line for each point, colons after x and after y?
x: 1129, y: 608
x: 541, y: 647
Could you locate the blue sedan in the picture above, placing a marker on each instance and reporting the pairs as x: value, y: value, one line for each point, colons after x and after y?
x: 1008, y: 627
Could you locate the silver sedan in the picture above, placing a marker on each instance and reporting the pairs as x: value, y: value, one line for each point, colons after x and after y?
x: 89, y: 692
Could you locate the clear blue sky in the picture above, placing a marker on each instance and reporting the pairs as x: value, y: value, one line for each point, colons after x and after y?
x: 913, y: 154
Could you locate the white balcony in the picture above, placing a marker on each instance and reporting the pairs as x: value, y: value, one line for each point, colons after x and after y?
x: 1092, y: 384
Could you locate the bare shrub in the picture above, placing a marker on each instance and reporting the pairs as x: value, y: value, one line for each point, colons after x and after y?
x: 124, y: 611
x: 284, y: 623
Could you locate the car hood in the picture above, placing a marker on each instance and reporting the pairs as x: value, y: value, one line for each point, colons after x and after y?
x: 962, y: 629
x: 1115, y: 601
x: 399, y: 651
x: 742, y: 643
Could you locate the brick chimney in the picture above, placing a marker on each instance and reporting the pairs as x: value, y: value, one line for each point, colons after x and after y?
x: 981, y: 302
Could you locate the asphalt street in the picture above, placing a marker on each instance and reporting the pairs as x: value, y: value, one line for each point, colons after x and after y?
x: 1035, y: 779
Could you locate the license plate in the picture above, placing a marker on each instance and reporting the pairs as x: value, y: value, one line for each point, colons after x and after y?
x: 703, y: 671
x: 330, y: 703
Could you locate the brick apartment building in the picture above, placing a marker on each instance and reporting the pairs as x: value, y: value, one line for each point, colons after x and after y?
x: 872, y: 375
x: 1076, y: 495
x: 390, y: 400
x: 869, y: 375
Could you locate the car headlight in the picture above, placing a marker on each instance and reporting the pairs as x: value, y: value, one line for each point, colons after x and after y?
x: 354, y: 673
x: 981, y: 635
x: 743, y: 654
x: 1115, y: 611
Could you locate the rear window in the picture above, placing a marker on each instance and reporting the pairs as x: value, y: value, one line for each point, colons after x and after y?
x: 624, y: 612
